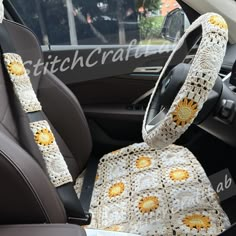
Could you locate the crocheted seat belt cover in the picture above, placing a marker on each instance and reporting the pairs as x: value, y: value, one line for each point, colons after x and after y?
x: 43, y: 136
x: 154, y: 192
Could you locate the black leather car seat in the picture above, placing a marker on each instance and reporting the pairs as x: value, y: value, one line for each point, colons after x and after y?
x: 138, y: 197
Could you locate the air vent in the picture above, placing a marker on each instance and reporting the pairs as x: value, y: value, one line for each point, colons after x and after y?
x: 223, y: 73
x: 188, y: 59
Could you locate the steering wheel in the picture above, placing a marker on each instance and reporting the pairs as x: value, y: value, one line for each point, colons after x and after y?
x: 169, y: 115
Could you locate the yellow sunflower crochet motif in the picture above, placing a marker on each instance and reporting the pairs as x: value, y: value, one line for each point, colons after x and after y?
x: 184, y: 112
x: 114, y: 228
x: 116, y: 189
x: 97, y: 177
x: 44, y: 137
x: 179, y: 175
x: 143, y: 162
x: 218, y: 21
x: 16, y: 68
x: 115, y: 152
x: 197, y: 221
x: 148, y: 204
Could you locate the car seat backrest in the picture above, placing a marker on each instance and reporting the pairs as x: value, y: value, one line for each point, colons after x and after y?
x: 22, y: 180
x: 61, y: 107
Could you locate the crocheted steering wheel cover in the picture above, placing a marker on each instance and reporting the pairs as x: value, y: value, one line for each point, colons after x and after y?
x: 197, y: 86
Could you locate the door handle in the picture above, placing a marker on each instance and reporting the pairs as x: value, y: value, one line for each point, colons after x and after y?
x: 148, y: 69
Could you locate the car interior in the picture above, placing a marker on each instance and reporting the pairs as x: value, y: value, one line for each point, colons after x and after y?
x: 113, y: 149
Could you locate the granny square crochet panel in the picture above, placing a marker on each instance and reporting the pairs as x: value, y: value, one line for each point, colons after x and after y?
x: 56, y: 166
x: 154, y: 192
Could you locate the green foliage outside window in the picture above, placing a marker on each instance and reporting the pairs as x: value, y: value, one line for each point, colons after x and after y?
x: 150, y: 27
x: 151, y: 5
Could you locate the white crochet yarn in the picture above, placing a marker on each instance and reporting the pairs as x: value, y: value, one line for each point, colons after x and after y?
x: 148, y: 192
x: 43, y: 136
x: 21, y: 83
x: 55, y: 163
x: 198, y: 84
x: 1, y: 11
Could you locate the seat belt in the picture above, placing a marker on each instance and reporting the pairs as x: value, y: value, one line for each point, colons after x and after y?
x: 27, y: 102
x: 88, y: 183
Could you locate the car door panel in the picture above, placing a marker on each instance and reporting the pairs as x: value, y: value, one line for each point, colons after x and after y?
x: 110, y: 104
x: 107, y: 92
x: 75, y: 64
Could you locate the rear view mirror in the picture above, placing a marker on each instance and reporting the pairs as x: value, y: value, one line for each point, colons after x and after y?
x: 174, y: 25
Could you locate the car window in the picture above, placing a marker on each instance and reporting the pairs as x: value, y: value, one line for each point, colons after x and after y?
x: 96, y: 22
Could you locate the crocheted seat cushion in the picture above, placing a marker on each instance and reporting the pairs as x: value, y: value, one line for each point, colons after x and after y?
x: 154, y: 192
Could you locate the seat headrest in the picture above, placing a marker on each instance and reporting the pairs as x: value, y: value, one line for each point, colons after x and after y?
x: 27, y: 46
x: 1, y: 11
